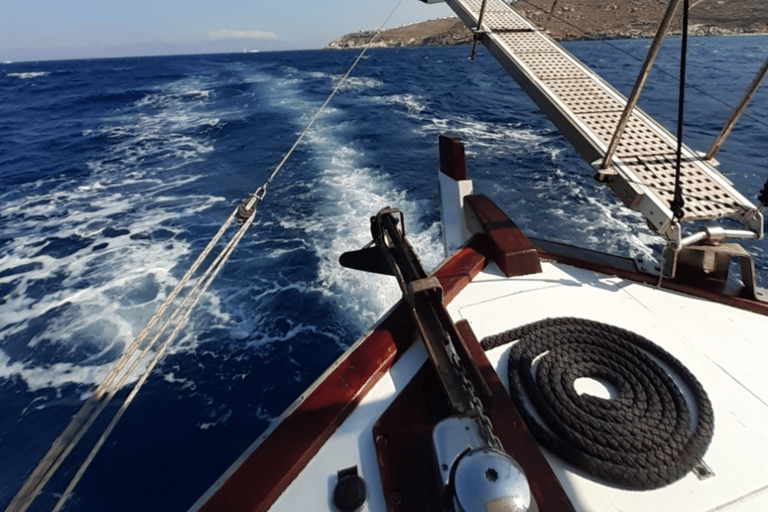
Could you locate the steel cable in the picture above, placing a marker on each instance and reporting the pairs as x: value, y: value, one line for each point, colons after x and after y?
x: 588, y: 36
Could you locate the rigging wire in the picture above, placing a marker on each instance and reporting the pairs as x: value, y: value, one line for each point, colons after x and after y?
x: 678, y: 202
x: 661, y: 70
x: 128, y: 362
x: 657, y: 67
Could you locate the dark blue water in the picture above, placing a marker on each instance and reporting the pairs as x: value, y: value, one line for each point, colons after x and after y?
x: 114, y: 174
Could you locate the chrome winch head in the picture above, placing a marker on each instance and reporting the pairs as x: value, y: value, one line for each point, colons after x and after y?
x: 476, y: 477
x: 488, y: 480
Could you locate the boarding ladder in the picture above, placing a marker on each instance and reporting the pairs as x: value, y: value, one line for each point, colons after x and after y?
x: 587, y: 111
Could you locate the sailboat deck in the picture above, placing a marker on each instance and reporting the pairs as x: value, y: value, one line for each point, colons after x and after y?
x: 714, y: 352
x: 587, y: 110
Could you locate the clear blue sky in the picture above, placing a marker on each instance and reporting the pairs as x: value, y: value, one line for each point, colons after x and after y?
x: 44, y: 29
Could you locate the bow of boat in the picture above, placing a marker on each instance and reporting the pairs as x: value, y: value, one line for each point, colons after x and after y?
x: 375, y: 411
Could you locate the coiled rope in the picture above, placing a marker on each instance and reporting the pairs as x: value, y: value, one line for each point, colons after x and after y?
x: 642, y: 439
x: 175, y: 318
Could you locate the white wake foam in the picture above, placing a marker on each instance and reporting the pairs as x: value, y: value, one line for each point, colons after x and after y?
x: 596, y: 221
x: 89, y: 259
x: 347, y: 193
x: 29, y: 74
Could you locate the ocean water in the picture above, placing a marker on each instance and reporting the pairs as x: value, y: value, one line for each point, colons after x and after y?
x: 114, y: 174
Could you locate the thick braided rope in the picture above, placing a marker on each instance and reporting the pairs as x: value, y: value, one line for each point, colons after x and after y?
x: 642, y: 439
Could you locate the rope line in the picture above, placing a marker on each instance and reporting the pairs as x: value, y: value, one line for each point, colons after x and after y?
x: 645, y: 437
x: 196, y: 294
x: 259, y: 194
x: 678, y: 203
x: 657, y: 67
x: 683, y: 193
x: 102, y: 395
x: 121, y: 370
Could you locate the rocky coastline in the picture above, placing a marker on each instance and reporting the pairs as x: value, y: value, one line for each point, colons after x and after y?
x: 583, y: 19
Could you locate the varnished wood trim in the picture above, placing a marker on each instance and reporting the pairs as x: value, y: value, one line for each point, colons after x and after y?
x: 252, y: 485
x: 723, y: 293
x: 509, y: 248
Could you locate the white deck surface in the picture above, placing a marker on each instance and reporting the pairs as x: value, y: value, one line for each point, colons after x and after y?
x: 352, y: 445
x: 724, y: 347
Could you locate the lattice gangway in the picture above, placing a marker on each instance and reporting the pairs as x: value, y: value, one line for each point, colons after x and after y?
x: 587, y: 111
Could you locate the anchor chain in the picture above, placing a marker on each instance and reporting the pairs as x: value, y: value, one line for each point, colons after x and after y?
x: 477, y: 411
x: 390, y: 253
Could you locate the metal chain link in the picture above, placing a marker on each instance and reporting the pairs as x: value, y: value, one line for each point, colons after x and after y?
x: 476, y: 406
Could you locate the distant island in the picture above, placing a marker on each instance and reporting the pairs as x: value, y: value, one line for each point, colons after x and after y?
x: 584, y: 19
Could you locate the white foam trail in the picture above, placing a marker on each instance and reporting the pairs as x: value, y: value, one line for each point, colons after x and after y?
x: 592, y: 216
x: 29, y: 74
x: 413, y: 104
x: 349, y: 193
x: 90, y: 259
x: 599, y: 223
x: 351, y: 83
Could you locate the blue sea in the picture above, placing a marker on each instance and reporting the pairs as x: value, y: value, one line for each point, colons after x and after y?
x: 114, y: 174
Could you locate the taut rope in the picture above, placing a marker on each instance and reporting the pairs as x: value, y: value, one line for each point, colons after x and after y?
x: 175, y: 319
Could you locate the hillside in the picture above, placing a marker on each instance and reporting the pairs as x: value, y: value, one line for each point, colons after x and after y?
x: 584, y: 19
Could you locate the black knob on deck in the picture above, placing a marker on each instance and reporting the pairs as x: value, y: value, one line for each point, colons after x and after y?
x: 350, y: 492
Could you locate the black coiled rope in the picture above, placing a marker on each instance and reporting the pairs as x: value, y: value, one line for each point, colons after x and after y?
x: 642, y: 439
